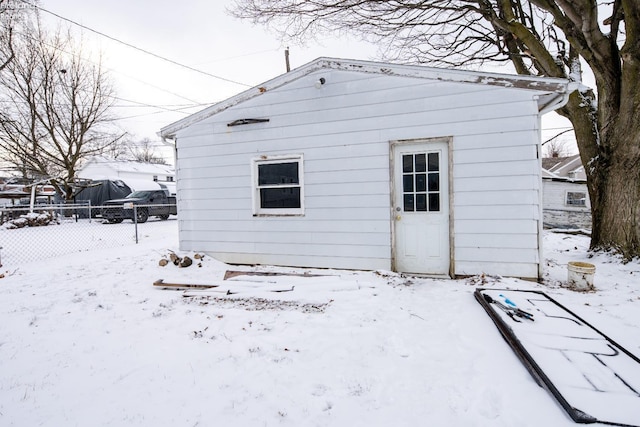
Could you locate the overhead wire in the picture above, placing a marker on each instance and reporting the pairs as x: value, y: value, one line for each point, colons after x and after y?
x: 147, y: 52
x: 23, y: 34
x: 155, y: 55
x: 158, y: 112
x: 139, y: 104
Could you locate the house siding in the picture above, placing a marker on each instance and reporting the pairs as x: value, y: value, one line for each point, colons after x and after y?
x: 556, y: 213
x: 97, y: 170
x: 555, y: 195
x: 344, y: 131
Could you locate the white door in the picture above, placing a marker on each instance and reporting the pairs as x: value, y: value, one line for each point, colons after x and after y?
x: 421, y: 207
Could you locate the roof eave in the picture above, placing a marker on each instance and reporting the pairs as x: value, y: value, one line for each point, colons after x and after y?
x: 559, y: 89
x: 168, y: 132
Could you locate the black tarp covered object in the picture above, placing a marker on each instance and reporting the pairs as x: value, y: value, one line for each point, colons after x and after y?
x: 105, y: 190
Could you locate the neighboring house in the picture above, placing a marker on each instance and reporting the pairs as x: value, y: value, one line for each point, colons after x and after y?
x: 365, y: 165
x: 134, y: 174
x: 565, y: 167
x: 565, y: 198
x: 16, y: 191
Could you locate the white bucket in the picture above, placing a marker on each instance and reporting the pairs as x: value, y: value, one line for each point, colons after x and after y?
x: 580, y: 275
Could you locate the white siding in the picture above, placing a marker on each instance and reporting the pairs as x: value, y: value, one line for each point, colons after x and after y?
x: 97, y: 171
x: 555, y: 195
x: 344, y: 131
x: 556, y: 212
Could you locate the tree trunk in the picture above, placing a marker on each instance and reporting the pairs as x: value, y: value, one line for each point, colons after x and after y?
x: 615, y: 182
x: 608, y: 138
x: 615, y: 195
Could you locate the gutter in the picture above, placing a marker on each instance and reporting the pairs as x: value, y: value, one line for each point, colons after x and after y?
x: 560, y: 100
x: 170, y: 141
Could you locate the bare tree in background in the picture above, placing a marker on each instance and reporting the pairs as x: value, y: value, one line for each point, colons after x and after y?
x: 7, y: 21
x: 56, y: 107
x: 556, y: 146
x: 144, y: 151
x: 127, y: 149
x: 553, y: 38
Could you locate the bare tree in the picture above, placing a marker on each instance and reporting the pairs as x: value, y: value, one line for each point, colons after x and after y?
x: 556, y: 146
x: 127, y: 149
x: 56, y: 108
x: 144, y: 151
x: 13, y: 13
x: 554, y: 38
x: 6, y: 35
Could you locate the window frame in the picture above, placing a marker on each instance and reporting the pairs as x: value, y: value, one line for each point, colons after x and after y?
x: 575, y: 205
x: 427, y: 191
x: 256, y: 187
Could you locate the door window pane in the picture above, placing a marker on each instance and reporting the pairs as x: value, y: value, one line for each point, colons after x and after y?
x: 434, y: 202
x: 421, y: 162
x: 407, y: 183
x: 421, y: 182
x: 407, y: 163
x: 408, y: 203
x: 434, y: 182
x: 434, y: 162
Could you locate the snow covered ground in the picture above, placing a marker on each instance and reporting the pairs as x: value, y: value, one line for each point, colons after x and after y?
x: 87, y: 340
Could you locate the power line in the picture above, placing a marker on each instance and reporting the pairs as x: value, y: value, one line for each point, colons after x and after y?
x: 154, y: 86
x: 23, y: 34
x: 153, y: 113
x: 143, y: 104
x: 135, y: 47
x: 138, y: 103
x: 559, y: 128
x: 178, y: 106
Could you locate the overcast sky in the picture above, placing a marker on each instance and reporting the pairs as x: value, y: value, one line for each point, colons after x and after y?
x: 197, y: 33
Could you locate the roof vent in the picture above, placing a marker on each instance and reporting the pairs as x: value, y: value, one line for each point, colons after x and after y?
x: 240, y: 122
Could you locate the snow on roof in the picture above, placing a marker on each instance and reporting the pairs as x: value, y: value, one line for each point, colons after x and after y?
x: 131, y: 166
x: 564, y: 167
x: 547, y: 174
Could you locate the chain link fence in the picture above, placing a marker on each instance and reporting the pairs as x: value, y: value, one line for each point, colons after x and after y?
x: 49, y: 231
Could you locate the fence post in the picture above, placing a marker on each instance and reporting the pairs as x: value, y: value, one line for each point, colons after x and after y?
x: 135, y: 220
